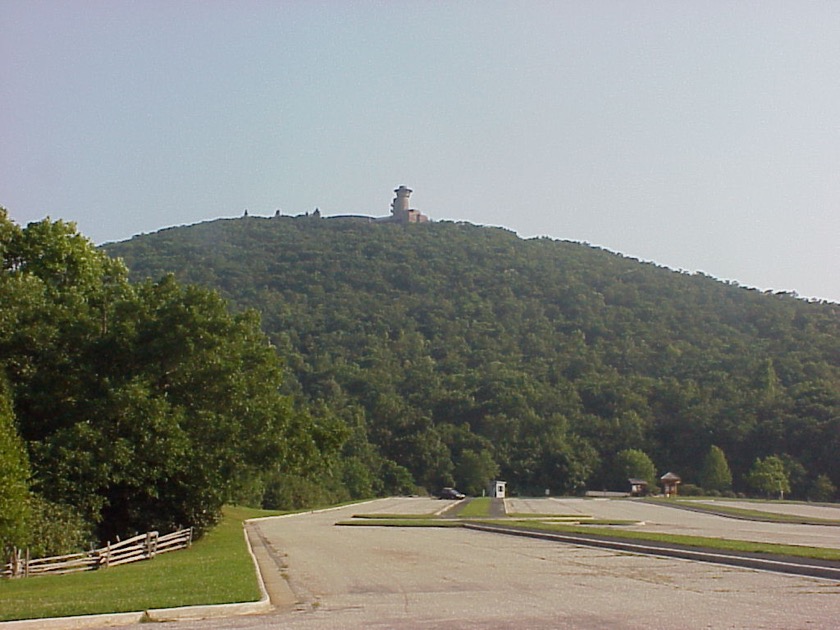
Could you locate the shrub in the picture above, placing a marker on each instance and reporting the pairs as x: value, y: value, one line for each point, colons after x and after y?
x: 822, y: 489
x: 56, y: 529
x: 291, y: 492
x: 690, y: 490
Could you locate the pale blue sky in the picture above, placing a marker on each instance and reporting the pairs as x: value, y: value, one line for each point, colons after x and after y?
x: 704, y: 136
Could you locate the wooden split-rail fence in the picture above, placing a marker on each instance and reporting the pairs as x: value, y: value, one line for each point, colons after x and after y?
x: 141, y: 547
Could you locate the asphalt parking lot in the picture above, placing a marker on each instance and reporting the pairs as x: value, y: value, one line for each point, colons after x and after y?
x: 375, y: 577
x: 657, y: 518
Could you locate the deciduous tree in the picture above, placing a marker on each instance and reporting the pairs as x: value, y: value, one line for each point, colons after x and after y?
x: 822, y: 489
x: 633, y: 463
x: 768, y: 476
x: 716, y: 474
x: 14, y: 478
x: 475, y: 470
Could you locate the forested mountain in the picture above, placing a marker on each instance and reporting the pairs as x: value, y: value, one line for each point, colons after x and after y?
x: 460, y: 352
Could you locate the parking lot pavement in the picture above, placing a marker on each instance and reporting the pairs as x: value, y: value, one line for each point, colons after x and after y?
x: 659, y: 518
x: 517, y: 505
x: 404, y: 505
x: 376, y: 577
x: 807, y: 510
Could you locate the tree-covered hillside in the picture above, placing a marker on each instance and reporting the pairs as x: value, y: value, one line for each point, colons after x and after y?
x: 461, y: 352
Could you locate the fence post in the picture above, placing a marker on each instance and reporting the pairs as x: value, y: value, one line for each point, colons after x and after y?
x: 151, y: 544
x: 108, y: 555
x: 26, y: 564
x: 189, y: 540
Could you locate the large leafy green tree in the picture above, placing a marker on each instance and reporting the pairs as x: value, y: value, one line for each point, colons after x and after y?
x: 14, y: 478
x: 140, y: 405
x: 768, y: 476
x: 475, y: 470
x: 636, y: 464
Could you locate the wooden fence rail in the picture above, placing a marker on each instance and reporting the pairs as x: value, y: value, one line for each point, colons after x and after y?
x: 141, y: 547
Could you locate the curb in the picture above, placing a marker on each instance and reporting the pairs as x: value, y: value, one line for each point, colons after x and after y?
x: 183, y: 613
x: 68, y: 623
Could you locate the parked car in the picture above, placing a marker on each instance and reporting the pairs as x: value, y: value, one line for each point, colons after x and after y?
x: 451, y: 493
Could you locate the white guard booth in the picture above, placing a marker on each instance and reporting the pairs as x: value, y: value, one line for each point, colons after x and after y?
x: 497, y: 489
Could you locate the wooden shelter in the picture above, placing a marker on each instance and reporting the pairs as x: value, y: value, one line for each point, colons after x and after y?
x: 638, y: 487
x: 670, y: 481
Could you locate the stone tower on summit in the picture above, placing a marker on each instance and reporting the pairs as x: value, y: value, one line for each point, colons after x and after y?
x: 400, y: 210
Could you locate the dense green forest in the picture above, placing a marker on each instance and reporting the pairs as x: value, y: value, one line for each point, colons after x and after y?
x: 131, y: 407
x: 450, y: 353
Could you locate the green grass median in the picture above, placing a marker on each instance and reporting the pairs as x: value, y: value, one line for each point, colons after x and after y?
x: 766, y: 515
x: 613, y: 529
x: 720, y: 544
x: 216, y: 570
x: 476, y: 508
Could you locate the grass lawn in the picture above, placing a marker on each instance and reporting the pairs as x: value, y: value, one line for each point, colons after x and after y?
x: 215, y: 570
x: 477, y: 508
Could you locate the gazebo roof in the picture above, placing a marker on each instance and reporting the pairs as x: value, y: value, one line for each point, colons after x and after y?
x: 669, y: 476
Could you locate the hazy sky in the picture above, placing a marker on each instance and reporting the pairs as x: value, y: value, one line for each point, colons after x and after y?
x: 704, y: 136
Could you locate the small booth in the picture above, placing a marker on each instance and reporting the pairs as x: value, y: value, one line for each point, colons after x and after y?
x: 670, y: 481
x: 638, y: 487
x: 497, y: 489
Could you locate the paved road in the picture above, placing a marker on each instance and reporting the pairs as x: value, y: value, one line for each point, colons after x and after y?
x: 657, y: 518
x: 360, y: 577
